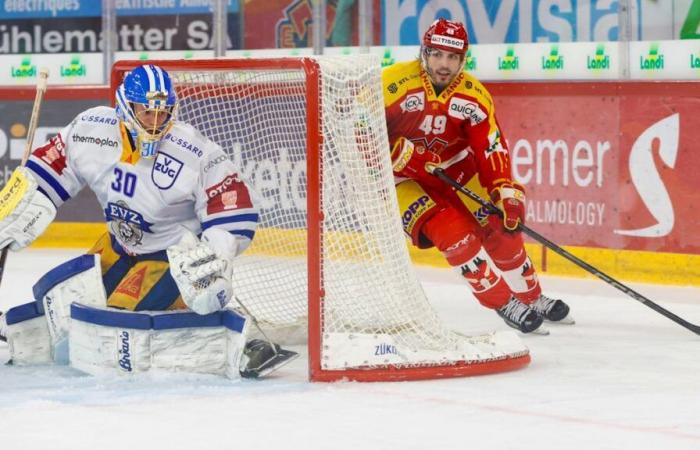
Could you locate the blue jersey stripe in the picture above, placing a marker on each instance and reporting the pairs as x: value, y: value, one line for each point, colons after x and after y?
x: 245, y: 233
x: 230, y: 219
x: 51, y: 181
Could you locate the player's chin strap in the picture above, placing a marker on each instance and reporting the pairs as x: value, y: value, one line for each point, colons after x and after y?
x: 440, y: 173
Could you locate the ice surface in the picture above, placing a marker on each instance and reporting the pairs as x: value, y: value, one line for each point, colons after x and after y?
x: 623, y: 377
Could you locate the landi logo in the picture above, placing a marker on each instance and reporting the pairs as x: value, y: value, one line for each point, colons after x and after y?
x: 388, y: 58
x: 600, y: 61
x: 510, y: 61
x: 25, y: 70
x: 695, y: 61
x: 471, y: 61
x: 654, y: 59
x: 74, y: 69
x: 646, y: 176
x: 554, y: 61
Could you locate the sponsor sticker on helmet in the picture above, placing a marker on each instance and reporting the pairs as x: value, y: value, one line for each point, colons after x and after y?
x: 447, y: 41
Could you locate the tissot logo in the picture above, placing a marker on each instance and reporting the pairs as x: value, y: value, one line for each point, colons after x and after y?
x: 447, y: 41
x: 646, y: 178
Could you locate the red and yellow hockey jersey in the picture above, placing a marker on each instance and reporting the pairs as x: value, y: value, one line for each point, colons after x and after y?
x: 458, y: 124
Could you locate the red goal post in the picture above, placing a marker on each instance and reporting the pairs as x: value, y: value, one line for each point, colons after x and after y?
x: 329, y: 256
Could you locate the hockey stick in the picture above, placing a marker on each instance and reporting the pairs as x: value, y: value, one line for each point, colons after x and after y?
x: 278, y: 358
x: 440, y: 173
x: 33, y: 120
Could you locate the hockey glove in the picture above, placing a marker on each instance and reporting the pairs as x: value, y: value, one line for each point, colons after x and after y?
x: 509, y: 197
x: 24, y: 211
x: 409, y: 162
x: 202, y: 271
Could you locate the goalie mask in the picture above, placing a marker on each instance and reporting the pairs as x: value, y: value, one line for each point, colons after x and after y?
x: 443, y: 51
x: 147, y: 105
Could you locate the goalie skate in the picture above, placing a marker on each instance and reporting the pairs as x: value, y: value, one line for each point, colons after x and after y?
x: 262, y: 358
x: 553, y: 310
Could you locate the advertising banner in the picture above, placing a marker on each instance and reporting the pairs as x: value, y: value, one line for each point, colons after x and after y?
x: 287, y: 23
x: 75, y: 26
x: 607, y: 166
x: 523, y: 21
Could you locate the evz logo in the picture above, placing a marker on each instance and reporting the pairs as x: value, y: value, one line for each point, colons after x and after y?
x: 128, y: 225
x: 165, y: 170
x: 414, y: 102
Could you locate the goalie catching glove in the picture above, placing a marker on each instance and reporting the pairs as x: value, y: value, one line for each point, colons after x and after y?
x: 25, y: 212
x: 509, y: 197
x: 203, y: 269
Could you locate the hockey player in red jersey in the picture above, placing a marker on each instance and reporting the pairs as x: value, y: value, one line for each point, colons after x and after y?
x: 438, y: 115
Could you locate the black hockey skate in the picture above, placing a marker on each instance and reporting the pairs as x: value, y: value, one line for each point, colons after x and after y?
x: 520, y: 316
x: 264, y: 358
x: 553, y: 310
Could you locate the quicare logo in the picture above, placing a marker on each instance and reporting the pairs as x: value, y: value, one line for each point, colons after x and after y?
x: 25, y: 70
x: 471, y: 61
x: 599, y: 61
x: 74, y: 69
x: 654, y: 59
x: 510, y: 61
x: 554, y: 61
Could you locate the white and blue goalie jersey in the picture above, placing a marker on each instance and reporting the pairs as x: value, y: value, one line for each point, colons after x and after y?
x: 147, y: 203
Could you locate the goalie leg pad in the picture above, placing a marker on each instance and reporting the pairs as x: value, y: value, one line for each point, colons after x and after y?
x: 28, y: 335
x: 77, y: 280
x: 37, y: 332
x: 106, y: 341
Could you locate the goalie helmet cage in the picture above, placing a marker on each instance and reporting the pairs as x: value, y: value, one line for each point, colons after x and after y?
x: 329, y: 255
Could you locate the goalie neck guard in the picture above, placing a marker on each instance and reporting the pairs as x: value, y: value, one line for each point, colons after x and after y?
x: 147, y: 105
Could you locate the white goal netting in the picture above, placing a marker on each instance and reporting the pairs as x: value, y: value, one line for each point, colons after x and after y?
x: 374, y: 312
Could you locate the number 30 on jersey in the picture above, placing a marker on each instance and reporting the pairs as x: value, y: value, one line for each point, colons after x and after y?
x: 124, y: 182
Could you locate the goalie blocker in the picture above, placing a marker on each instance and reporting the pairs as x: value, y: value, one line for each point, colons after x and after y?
x: 69, y: 323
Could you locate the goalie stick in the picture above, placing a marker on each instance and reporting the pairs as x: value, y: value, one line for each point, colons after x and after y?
x: 440, y: 173
x: 272, y: 356
x: 31, y: 129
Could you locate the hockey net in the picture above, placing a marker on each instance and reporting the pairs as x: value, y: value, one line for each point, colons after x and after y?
x: 329, y: 255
